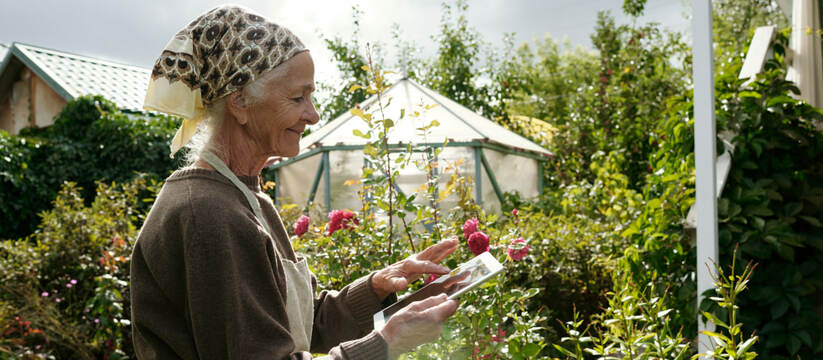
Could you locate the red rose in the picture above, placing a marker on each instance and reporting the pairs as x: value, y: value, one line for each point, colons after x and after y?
x: 478, y: 243
x: 301, y: 226
x: 341, y: 219
x: 469, y: 227
x: 518, y: 249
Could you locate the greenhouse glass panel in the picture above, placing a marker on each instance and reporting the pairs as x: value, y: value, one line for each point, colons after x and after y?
x: 296, y: 180
x: 514, y: 173
x: 345, y: 165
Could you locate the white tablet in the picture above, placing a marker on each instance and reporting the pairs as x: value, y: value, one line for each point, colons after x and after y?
x: 463, y: 278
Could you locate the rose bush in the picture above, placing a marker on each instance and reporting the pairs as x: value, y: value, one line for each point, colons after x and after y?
x: 68, y: 282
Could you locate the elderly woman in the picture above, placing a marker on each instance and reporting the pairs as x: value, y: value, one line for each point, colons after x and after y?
x: 213, y: 274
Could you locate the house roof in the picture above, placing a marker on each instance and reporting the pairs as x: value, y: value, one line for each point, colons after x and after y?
x: 456, y: 122
x: 73, y: 75
x: 3, y: 50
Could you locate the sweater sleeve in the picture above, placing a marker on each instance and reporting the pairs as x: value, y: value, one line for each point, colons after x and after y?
x: 345, y: 315
x: 236, y: 307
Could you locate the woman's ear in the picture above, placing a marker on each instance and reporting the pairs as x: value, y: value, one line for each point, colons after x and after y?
x: 237, y: 107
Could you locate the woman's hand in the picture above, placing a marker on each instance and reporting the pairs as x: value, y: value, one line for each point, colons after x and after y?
x: 398, y: 276
x: 416, y: 324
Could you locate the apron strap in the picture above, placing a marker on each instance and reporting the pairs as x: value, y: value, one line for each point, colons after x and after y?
x: 221, y: 167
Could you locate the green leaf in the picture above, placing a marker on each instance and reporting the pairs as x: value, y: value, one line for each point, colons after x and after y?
x: 805, y: 337
x: 793, y: 344
x: 785, y: 251
x: 792, y: 209
x: 777, y: 100
x: 717, y: 337
x: 359, y: 133
x: 714, y: 319
x: 748, y: 164
x: 531, y: 350
x: 749, y: 94
x: 814, y: 222
x: 559, y: 348
x: 761, y: 211
x: 354, y: 88
x: 759, y: 223
x: 779, y: 308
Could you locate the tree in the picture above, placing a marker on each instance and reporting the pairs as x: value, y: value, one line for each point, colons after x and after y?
x: 350, y: 63
x: 734, y: 22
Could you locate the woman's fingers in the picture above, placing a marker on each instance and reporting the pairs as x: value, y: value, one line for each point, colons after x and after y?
x: 414, y: 267
x: 439, y: 251
x: 420, y: 322
x: 441, y: 311
x: 427, y: 303
x: 435, y: 308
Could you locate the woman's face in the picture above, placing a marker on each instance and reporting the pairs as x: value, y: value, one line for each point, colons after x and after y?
x: 277, y: 123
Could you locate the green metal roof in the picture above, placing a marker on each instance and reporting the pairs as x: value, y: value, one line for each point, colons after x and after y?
x: 73, y: 75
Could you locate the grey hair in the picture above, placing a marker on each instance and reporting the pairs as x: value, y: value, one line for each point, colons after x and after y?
x: 203, y: 139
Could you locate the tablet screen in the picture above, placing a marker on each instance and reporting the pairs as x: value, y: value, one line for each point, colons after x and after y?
x: 453, y: 284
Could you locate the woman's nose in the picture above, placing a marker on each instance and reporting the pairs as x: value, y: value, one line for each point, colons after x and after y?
x: 311, y: 116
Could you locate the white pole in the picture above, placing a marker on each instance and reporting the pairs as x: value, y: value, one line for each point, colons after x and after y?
x: 704, y: 154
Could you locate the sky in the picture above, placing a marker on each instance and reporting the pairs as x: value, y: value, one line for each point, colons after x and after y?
x: 135, y: 32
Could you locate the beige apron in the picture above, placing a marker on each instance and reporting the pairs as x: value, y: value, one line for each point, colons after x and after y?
x: 299, y: 294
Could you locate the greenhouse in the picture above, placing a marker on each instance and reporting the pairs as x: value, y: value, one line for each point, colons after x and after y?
x: 478, y: 148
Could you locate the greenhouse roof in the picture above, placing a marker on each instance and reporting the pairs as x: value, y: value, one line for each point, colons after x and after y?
x: 73, y: 75
x: 456, y: 122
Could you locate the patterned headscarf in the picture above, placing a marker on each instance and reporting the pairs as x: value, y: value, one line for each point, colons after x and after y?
x: 216, y: 54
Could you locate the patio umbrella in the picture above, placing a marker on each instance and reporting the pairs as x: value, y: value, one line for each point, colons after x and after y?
x: 806, y: 69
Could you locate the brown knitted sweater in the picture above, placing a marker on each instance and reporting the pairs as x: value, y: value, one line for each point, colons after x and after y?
x: 207, y: 282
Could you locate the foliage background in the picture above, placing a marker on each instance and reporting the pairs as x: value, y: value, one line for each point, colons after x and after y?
x: 91, y: 140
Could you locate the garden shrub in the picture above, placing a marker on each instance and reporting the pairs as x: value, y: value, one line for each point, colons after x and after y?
x: 637, y: 324
x: 608, y: 100
x: 69, y: 280
x: 91, y: 140
x: 770, y: 208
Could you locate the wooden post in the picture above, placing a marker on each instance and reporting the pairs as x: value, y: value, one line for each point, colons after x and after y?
x: 704, y: 156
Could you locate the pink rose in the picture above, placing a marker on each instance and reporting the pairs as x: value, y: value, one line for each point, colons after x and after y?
x: 515, y: 212
x: 301, y: 226
x: 341, y: 219
x: 478, y: 243
x: 469, y: 227
x: 518, y: 249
